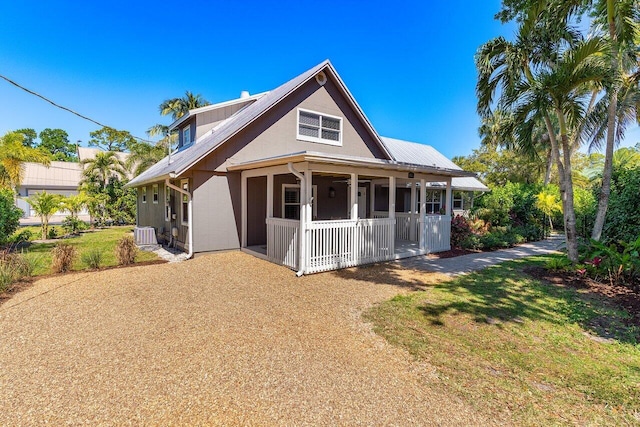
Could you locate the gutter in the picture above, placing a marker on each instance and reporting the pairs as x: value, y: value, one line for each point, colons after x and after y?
x: 189, y: 213
x: 303, y: 218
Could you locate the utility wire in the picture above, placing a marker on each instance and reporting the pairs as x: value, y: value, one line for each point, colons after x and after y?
x: 62, y: 107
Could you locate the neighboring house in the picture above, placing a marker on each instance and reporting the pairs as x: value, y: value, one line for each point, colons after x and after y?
x: 299, y: 176
x: 58, y: 178
x: 61, y: 178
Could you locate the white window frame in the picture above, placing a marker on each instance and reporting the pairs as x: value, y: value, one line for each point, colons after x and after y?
x: 319, y: 139
x: 430, y: 201
x: 455, y: 199
x: 186, y: 131
x: 314, y: 192
x: 155, y: 195
x: 167, y: 204
x: 144, y: 194
x: 184, y: 202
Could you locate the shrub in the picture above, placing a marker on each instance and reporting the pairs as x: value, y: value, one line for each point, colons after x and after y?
x: 93, y: 258
x: 460, y: 230
x: 22, y: 236
x: 558, y: 264
x: 619, y: 263
x: 126, y: 251
x: 529, y: 232
x: 52, y: 233
x: 623, y: 214
x: 73, y: 225
x: 62, y: 257
x: 9, y: 215
x: 13, y: 266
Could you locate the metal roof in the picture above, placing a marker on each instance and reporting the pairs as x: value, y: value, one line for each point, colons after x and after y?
x: 426, y: 155
x: 58, y: 174
x: 180, y: 162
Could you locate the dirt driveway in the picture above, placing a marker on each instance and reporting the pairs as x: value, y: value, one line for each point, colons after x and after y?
x: 224, y: 339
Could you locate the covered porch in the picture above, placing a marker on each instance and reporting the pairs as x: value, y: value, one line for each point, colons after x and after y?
x: 316, y: 215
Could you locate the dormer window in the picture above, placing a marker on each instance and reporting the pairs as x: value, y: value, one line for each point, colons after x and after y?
x: 319, y: 127
x: 186, y: 136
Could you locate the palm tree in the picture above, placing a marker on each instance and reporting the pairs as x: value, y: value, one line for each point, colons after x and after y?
x: 144, y: 155
x: 75, y: 203
x: 101, y: 168
x: 45, y: 205
x: 538, y: 83
x: 13, y: 155
x: 178, y: 107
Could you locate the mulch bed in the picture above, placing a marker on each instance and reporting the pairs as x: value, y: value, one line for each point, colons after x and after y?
x: 620, y: 296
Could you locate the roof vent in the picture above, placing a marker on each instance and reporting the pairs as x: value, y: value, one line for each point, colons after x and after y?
x: 244, y: 94
x: 321, y: 78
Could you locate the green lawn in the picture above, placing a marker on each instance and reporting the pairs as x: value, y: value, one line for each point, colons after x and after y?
x: 101, y: 239
x: 521, y: 349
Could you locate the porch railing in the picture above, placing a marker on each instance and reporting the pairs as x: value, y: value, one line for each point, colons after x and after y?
x: 403, y: 224
x: 347, y: 243
x: 437, y: 233
x: 282, y: 241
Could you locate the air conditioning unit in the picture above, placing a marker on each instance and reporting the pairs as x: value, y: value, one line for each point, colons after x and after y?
x: 145, y: 236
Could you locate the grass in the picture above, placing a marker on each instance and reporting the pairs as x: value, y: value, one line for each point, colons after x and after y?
x: 103, y: 240
x: 521, y: 349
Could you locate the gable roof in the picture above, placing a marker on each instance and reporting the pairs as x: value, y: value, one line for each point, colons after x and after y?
x: 426, y: 155
x: 178, y: 163
x: 211, y: 107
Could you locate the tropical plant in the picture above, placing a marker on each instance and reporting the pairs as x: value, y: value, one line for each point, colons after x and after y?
x: 548, y: 73
x: 98, y: 170
x: 548, y: 202
x: 618, y: 262
x: 75, y: 203
x: 13, y: 155
x: 178, y: 107
x: 9, y: 215
x: 93, y: 258
x: 143, y: 155
x: 45, y: 205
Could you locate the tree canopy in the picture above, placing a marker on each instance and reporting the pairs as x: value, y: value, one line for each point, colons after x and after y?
x: 110, y: 139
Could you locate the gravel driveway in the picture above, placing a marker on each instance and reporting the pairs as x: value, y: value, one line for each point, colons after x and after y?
x: 224, y: 339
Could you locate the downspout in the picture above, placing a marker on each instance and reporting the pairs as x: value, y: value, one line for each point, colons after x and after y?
x: 189, y: 213
x: 303, y: 198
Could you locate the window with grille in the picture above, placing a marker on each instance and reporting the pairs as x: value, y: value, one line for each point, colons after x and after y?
x: 291, y: 201
x: 458, y: 200
x: 433, y: 201
x: 167, y: 203
x: 156, y: 197
x: 317, y: 127
x: 144, y: 194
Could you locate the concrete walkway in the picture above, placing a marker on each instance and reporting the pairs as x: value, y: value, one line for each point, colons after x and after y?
x: 467, y: 263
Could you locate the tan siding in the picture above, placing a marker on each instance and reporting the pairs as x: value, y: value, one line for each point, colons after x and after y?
x: 207, y: 120
x: 216, y: 211
x: 274, y: 133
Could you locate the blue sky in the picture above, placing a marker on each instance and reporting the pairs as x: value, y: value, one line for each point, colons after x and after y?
x: 409, y: 64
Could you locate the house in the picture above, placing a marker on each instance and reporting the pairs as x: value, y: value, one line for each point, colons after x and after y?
x: 298, y: 176
x: 61, y: 178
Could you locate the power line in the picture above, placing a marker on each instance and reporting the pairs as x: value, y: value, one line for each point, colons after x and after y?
x: 62, y: 107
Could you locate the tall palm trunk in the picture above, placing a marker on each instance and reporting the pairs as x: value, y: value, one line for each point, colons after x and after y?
x: 603, y: 201
x: 570, y: 230
x: 547, y: 174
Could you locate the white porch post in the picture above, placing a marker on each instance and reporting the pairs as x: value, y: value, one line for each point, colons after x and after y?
x: 354, y: 196
x: 423, y: 215
x: 269, y: 195
x: 243, y: 204
x: 392, y: 214
x: 449, y: 199
x: 413, y: 214
x: 308, y: 236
